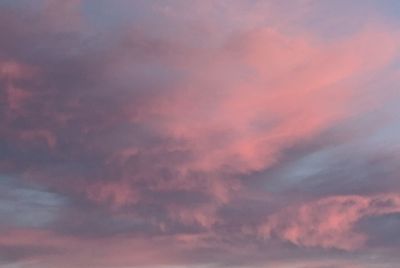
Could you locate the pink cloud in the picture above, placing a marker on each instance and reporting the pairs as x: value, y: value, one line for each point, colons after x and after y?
x: 328, y: 222
x: 10, y: 73
x: 116, y: 194
x: 155, y: 139
x: 38, y: 135
x: 12, y: 70
x: 120, y: 251
x: 296, y: 88
x: 241, y: 104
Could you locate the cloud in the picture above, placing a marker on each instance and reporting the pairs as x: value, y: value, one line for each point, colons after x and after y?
x: 328, y: 222
x: 165, y: 142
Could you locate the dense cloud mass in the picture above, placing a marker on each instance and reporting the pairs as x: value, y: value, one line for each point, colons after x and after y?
x: 199, y: 134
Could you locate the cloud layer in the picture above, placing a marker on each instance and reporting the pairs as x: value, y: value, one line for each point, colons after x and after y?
x: 210, y: 134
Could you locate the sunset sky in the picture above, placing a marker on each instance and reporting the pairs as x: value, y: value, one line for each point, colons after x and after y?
x: 199, y: 134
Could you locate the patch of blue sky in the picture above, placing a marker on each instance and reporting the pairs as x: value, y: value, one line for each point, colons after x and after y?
x: 386, y: 137
x: 24, y: 206
x: 33, y: 5
x: 106, y: 15
x: 308, y: 166
x: 389, y: 8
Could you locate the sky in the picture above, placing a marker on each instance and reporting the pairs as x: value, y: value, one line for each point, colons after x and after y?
x: 199, y: 134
